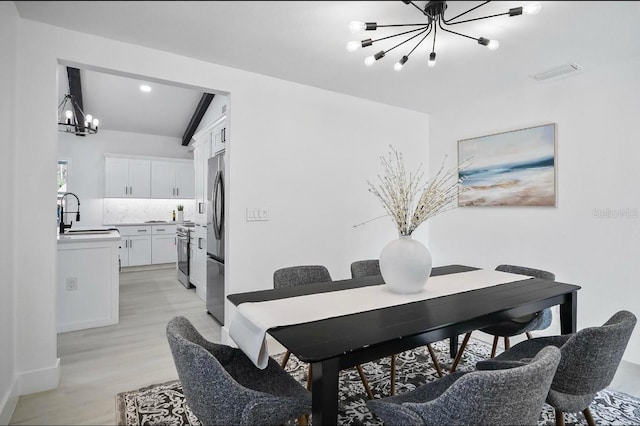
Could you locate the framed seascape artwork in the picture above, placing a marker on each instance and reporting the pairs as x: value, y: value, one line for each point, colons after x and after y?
x: 515, y: 168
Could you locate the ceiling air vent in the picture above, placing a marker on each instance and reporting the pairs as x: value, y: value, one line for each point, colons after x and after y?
x: 556, y: 72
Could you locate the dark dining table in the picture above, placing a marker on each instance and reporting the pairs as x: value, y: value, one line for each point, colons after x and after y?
x: 337, y: 343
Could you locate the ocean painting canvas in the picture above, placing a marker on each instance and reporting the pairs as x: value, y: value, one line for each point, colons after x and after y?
x: 514, y: 168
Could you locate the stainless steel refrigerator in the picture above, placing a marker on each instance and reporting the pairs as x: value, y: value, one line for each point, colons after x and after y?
x: 215, y: 237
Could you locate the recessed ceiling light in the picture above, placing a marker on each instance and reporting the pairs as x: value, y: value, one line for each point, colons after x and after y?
x: 145, y: 88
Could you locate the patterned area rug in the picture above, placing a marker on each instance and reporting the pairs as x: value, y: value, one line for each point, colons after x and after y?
x: 164, y: 404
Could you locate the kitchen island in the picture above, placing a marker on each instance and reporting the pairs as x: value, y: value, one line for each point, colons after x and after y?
x: 88, y: 278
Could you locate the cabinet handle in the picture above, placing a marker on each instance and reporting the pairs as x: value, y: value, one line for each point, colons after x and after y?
x: 200, y: 243
x: 142, y: 230
x: 126, y: 243
x: 131, y: 190
x: 159, y: 229
x: 175, y: 241
x: 177, y: 191
x: 224, y: 134
x: 126, y: 190
x: 173, y: 191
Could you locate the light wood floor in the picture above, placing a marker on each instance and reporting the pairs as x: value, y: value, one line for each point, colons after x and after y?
x: 101, y: 362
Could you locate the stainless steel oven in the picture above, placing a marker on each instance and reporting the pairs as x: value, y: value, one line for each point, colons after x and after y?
x: 184, y: 253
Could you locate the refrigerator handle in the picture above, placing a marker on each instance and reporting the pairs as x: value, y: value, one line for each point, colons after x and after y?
x: 218, y: 205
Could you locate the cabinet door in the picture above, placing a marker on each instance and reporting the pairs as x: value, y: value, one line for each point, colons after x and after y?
x: 163, y: 179
x: 116, y: 177
x: 219, y: 138
x: 139, y: 178
x: 139, y: 251
x: 164, y: 249
x: 124, y: 252
x: 185, y: 180
x: 198, y: 161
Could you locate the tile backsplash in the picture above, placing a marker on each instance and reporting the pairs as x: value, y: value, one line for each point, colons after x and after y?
x: 126, y: 210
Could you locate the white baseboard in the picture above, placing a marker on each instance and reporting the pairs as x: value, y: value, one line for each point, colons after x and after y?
x: 39, y: 380
x: 83, y: 325
x: 8, y: 403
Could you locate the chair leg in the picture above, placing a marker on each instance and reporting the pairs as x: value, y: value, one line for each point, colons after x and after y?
x: 434, y: 358
x: 285, y: 359
x: 393, y: 374
x: 559, y: 418
x: 529, y: 336
x: 365, y: 383
x: 507, y: 345
x: 494, y: 348
x: 460, y: 351
x: 309, y: 374
x: 588, y: 416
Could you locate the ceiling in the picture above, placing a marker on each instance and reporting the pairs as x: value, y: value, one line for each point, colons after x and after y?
x: 304, y: 41
x: 120, y: 105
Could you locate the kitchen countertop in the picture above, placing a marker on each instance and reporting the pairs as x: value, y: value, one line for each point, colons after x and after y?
x: 112, y: 235
x: 144, y: 223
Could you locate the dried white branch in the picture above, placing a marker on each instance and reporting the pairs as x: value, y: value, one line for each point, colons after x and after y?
x: 408, y: 201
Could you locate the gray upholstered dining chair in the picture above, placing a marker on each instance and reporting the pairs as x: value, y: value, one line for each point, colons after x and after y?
x: 589, y: 361
x: 515, y: 326
x: 302, y: 275
x: 365, y: 268
x: 499, y: 397
x: 222, y: 386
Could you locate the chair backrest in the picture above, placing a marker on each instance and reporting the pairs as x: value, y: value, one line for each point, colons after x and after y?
x: 497, y: 397
x: 300, y: 275
x: 211, y: 393
x: 523, y: 270
x: 591, y: 356
x: 365, y: 268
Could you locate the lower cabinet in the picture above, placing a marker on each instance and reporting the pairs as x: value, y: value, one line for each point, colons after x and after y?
x: 199, y: 271
x: 147, y: 245
x: 164, y: 249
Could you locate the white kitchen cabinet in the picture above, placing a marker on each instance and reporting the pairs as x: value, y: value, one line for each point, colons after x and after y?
x: 201, y: 154
x: 219, y: 138
x: 135, y: 246
x: 200, y: 257
x: 164, y: 247
x: 172, y: 179
x: 127, y: 178
x: 139, y: 250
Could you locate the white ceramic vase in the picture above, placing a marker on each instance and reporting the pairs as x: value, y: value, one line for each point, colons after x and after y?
x: 180, y: 216
x: 405, y: 265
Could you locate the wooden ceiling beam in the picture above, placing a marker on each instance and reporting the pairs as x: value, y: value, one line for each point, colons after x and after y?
x: 204, y: 103
x: 75, y: 90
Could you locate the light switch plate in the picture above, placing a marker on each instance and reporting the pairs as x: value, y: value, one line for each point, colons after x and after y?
x: 255, y: 214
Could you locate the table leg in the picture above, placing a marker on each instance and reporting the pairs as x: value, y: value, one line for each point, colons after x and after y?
x: 568, y: 314
x: 324, y: 392
x: 453, y: 346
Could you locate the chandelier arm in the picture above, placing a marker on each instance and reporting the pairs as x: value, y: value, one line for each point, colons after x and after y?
x: 477, y: 19
x: 453, y: 32
x: 446, y: 21
x: 420, y: 42
x: 402, y: 25
x: 399, y: 34
x: 433, y: 47
x: 403, y: 42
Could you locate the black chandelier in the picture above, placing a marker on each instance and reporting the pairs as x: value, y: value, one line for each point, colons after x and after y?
x: 71, y: 118
x: 434, y: 12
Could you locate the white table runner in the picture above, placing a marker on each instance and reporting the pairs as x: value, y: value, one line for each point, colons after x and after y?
x: 249, y: 326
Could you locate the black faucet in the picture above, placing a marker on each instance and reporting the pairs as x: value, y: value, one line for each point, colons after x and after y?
x: 62, y: 225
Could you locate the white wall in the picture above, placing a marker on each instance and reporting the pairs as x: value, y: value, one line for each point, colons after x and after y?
x: 303, y: 152
x: 86, y: 174
x: 8, y: 88
x: 598, y: 147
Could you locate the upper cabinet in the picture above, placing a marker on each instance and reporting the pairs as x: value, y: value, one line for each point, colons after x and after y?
x: 172, y: 179
x: 127, y: 178
x: 148, y: 178
x: 219, y: 137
